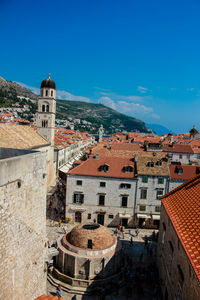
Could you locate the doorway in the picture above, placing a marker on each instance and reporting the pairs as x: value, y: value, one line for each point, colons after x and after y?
x: 100, y: 219
x: 78, y: 216
x: 124, y: 222
x: 141, y: 221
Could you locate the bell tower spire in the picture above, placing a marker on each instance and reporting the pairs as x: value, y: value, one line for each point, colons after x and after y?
x: 46, y: 110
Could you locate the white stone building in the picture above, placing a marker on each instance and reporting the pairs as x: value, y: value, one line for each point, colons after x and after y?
x: 102, y: 189
x: 152, y: 183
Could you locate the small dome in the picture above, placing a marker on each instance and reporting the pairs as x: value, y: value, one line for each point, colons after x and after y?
x: 48, y: 83
x: 99, y: 236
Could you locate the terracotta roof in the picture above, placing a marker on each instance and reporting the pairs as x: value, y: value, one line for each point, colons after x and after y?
x: 91, y: 167
x: 178, y: 148
x: 183, y: 172
x: 48, y: 297
x: 99, y: 235
x: 143, y: 167
x: 183, y: 208
x: 20, y: 137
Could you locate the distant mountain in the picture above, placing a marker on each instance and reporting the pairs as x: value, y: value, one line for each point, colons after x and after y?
x: 7, y: 86
x: 158, y: 129
x: 83, y: 112
x: 98, y: 114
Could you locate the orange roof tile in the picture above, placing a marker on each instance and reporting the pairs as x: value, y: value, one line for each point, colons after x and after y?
x: 91, y: 167
x: 188, y: 172
x: 183, y: 208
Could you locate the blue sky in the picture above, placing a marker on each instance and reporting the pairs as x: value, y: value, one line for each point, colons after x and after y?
x: 140, y: 57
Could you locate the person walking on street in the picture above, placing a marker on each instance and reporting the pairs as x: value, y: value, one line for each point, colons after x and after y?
x: 59, y: 222
x: 136, y: 231
x: 58, y: 291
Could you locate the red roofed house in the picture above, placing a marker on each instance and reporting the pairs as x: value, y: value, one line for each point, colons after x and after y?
x: 102, y: 188
x: 178, y: 252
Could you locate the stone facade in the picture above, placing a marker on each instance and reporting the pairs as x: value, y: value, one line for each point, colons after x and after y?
x: 88, y: 254
x: 22, y: 224
x: 148, y: 203
x: 178, y: 279
x: 112, y: 212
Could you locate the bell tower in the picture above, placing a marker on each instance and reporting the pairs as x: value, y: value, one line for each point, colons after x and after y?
x: 46, y: 110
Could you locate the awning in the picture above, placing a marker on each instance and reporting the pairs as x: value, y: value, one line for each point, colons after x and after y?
x: 124, y: 216
x: 156, y: 217
x: 64, y: 169
x: 143, y: 216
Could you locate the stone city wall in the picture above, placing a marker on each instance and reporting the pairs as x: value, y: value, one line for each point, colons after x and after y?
x: 22, y: 226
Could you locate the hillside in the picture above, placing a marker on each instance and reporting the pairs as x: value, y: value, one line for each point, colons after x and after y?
x: 82, y: 115
x: 98, y: 114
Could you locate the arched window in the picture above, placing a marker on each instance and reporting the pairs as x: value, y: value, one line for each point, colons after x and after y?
x: 41, y: 93
x: 104, y: 168
x: 46, y: 92
x: 43, y: 107
x: 51, y: 93
x: 47, y: 108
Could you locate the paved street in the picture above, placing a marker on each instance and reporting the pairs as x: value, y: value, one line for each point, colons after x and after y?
x: 140, y: 273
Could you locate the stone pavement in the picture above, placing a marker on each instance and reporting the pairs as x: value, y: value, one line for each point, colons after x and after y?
x: 140, y: 283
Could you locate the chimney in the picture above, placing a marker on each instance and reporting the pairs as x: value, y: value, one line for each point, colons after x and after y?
x: 97, y: 156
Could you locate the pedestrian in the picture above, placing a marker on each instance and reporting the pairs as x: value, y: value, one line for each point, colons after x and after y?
x: 51, y: 222
x: 130, y: 232
x: 64, y: 228
x: 58, y: 291
x: 59, y: 222
x: 131, y: 241
x: 118, y: 227
x: 143, y: 224
x: 115, y: 232
x: 136, y: 231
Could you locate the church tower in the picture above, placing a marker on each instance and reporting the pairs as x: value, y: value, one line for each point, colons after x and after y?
x: 46, y: 110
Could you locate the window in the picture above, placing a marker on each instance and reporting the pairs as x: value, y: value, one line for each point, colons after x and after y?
x: 127, y: 169
x: 159, y: 163
x: 143, y: 194
x: 160, y: 180
x: 102, y: 184
x: 104, y: 168
x: 125, y: 186
x: 89, y: 244
x: 180, y: 156
x: 43, y: 107
x: 44, y: 123
x: 163, y: 235
x: 78, y: 182
x: 47, y: 108
x: 144, y: 179
x: 78, y: 198
x: 157, y: 209
x: 46, y: 92
x: 142, y: 208
x: 124, y: 201
x: 150, y: 164
x: 178, y: 170
x: 110, y: 216
x: 89, y: 216
x: 101, y: 200
x: 51, y: 93
x: 159, y: 194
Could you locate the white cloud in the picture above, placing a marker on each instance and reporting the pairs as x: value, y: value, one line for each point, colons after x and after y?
x: 133, y: 108
x: 31, y: 88
x: 60, y: 94
x: 155, y: 116
x: 142, y: 89
x: 107, y: 101
x: 64, y: 95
